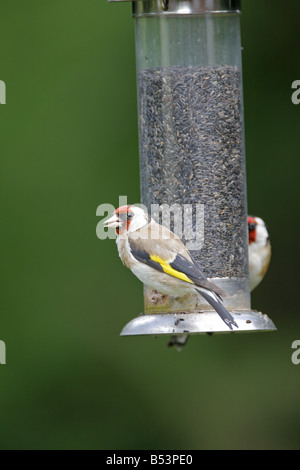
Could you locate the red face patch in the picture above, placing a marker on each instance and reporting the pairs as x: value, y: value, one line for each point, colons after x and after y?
x: 122, y: 211
x: 252, y: 229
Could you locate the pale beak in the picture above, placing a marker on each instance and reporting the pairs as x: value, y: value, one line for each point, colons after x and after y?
x: 112, y: 222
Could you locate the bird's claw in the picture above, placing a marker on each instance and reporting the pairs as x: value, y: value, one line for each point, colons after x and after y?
x: 156, y: 297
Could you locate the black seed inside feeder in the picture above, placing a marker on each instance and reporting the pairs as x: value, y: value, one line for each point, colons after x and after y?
x: 192, y: 155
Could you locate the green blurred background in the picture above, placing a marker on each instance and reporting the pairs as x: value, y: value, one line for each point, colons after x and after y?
x: 69, y: 142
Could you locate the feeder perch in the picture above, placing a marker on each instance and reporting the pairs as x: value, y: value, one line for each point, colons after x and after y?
x: 192, y: 155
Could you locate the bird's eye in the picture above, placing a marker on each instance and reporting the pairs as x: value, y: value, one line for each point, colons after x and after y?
x: 252, y: 227
x: 129, y: 215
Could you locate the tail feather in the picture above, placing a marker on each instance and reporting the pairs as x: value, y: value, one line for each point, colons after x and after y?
x: 219, y: 308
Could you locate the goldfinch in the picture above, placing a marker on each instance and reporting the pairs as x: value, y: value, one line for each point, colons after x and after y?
x: 259, y: 250
x: 160, y: 260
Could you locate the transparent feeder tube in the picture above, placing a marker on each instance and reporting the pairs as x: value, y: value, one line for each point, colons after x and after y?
x: 191, y: 138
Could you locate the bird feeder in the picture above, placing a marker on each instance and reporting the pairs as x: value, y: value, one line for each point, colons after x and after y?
x: 192, y: 155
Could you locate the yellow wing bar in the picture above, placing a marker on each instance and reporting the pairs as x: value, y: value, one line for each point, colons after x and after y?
x: 169, y: 270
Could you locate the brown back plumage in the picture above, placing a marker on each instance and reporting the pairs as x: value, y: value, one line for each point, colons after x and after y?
x: 155, y: 240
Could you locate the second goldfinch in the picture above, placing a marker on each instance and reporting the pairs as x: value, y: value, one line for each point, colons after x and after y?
x: 160, y: 260
x: 259, y: 250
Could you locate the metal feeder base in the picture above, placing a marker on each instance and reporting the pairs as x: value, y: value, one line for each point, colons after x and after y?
x: 196, y: 323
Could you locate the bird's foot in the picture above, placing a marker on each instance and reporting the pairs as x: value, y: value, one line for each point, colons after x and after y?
x: 156, y: 297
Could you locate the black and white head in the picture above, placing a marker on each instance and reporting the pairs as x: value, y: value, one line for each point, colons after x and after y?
x: 258, y: 233
x: 127, y: 219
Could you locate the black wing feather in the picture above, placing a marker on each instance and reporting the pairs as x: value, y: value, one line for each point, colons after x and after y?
x: 195, y: 274
x: 187, y: 267
x: 143, y: 257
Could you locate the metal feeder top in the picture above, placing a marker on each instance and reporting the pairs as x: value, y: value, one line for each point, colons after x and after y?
x: 182, y: 7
